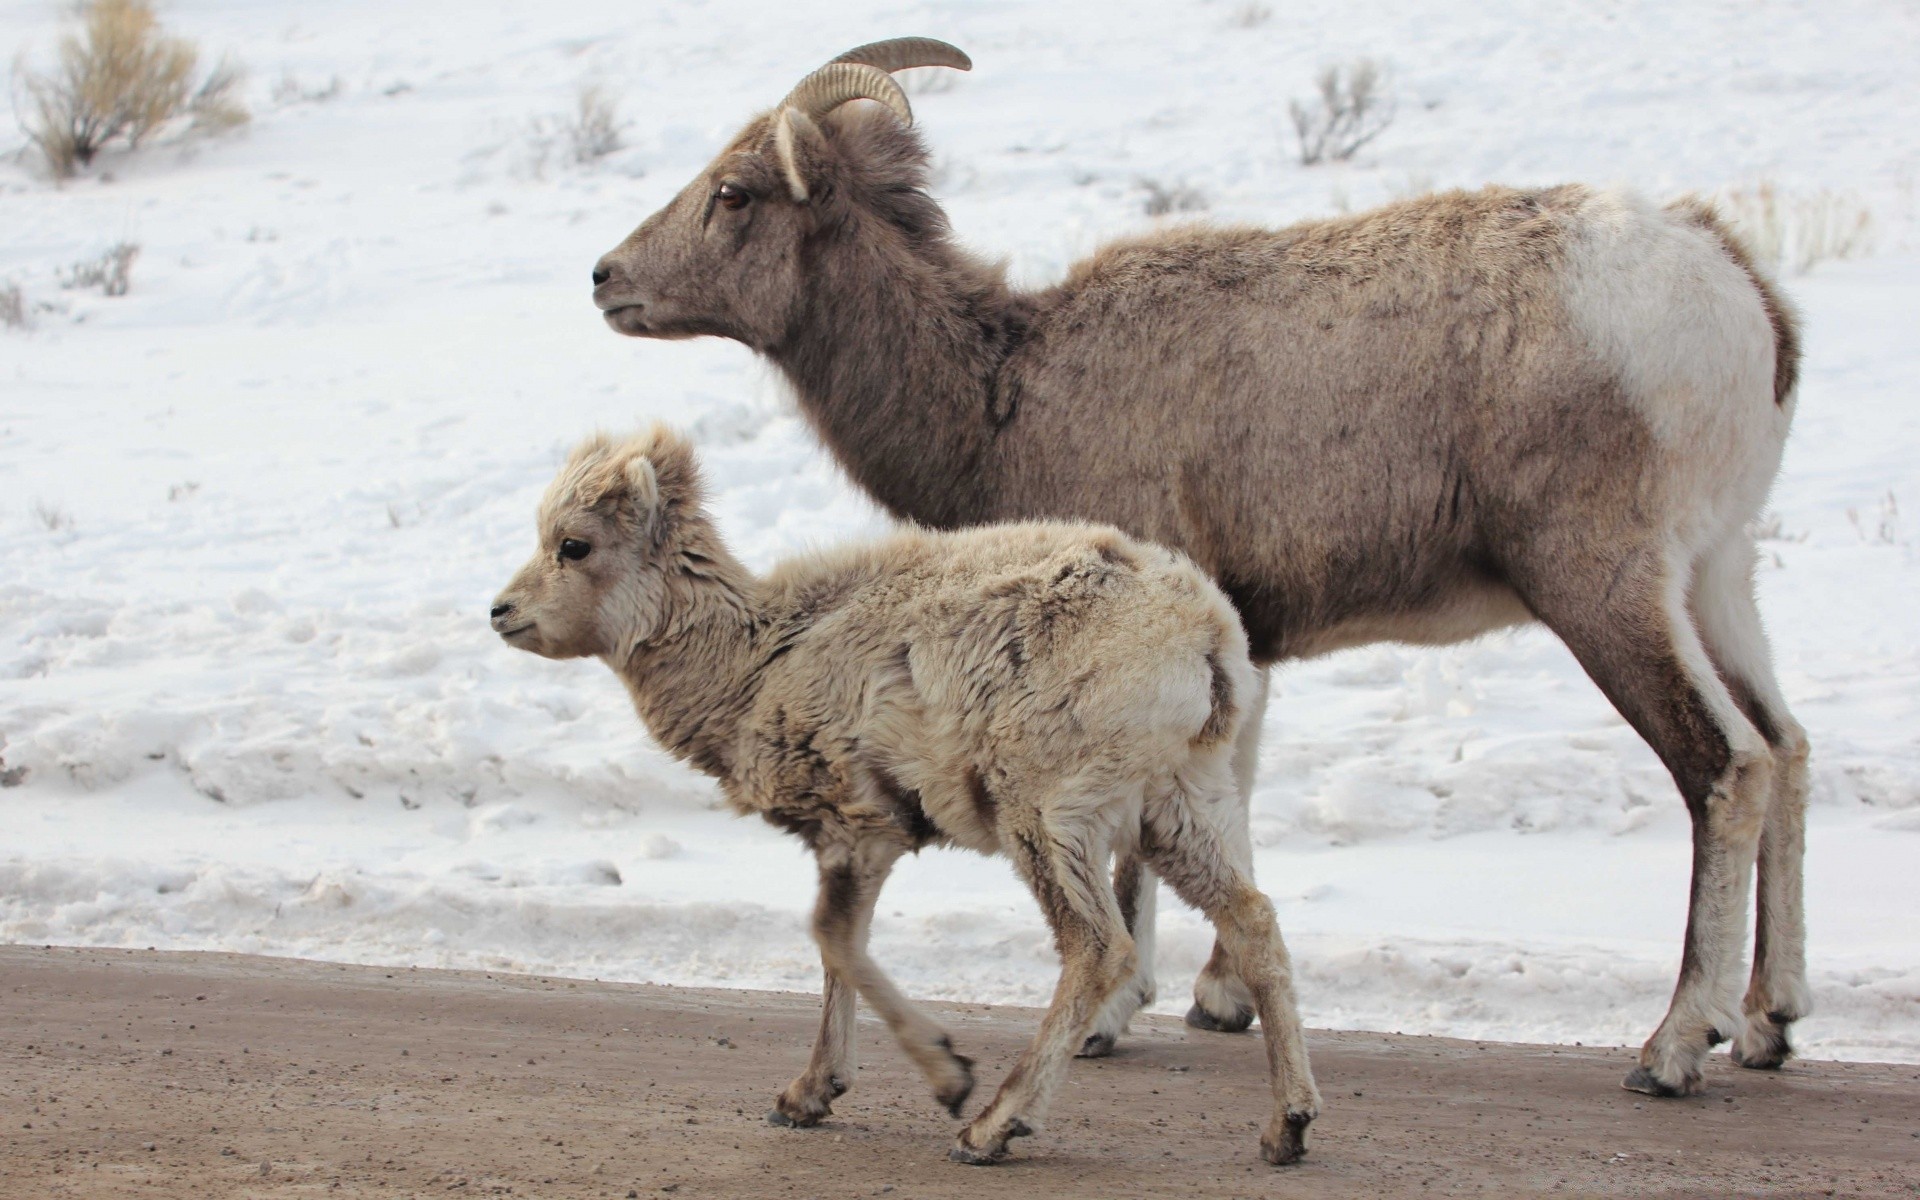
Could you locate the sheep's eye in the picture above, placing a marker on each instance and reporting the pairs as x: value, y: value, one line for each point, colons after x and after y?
x: 731, y: 197
x: 574, y: 548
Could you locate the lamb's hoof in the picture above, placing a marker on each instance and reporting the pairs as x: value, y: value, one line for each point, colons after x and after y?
x: 963, y: 1153
x: 1200, y: 1018
x: 795, y: 1120
x: 993, y: 1150
x: 1097, y: 1045
x: 955, y: 1094
x: 1763, y: 1045
x: 1286, y: 1141
x: 1643, y: 1080
x: 798, y: 1108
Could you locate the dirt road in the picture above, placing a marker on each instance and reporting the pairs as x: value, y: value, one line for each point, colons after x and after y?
x: 126, y: 1073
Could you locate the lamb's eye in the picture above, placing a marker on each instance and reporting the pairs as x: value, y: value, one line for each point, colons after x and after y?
x: 731, y: 197
x: 574, y: 548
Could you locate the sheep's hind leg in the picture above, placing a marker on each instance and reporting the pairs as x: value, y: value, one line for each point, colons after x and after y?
x: 1096, y: 955
x: 830, y: 1071
x: 1722, y: 604
x: 849, y: 885
x: 1191, y: 855
x: 1625, y: 617
x: 1221, y: 1001
x: 1137, y: 889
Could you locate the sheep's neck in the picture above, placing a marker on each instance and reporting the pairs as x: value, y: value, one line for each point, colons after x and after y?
x: 896, y: 364
x: 694, y: 687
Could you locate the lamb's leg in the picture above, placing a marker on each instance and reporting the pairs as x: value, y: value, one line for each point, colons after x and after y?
x: 1221, y: 1002
x: 849, y: 885
x: 1194, y: 859
x: 1137, y: 888
x: 1067, y: 877
x: 830, y: 1072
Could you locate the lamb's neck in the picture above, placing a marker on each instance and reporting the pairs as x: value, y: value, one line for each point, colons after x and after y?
x: 695, y: 684
x: 897, y: 366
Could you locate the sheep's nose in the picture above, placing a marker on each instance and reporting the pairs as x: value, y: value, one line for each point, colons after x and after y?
x: 500, y: 610
x: 601, y: 275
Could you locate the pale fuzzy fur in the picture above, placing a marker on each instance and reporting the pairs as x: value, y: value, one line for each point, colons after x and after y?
x: 1053, y: 692
x: 1450, y: 414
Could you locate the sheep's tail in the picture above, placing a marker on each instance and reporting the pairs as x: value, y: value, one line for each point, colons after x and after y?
x: 1780, y: 314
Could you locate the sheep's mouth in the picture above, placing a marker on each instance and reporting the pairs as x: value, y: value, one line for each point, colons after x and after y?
x: 510, y: 634
x: 626, y: 319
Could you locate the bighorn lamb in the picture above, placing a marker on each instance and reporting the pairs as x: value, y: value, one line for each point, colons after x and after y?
x: 1452, y: 414
x: 1045, y: 691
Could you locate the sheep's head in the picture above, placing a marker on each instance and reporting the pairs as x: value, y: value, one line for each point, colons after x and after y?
x: 725, y: 256
x: 618, y: 527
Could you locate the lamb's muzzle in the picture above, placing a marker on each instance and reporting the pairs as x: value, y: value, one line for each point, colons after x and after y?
x: 1053, y: 692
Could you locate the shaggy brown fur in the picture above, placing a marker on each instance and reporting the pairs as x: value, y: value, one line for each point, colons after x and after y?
x: 1454, y: 413
x: 1051, y: 692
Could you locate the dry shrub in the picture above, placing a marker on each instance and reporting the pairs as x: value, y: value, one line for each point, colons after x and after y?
x: 13, y: 307
x: 52, y: 517
x: 121, y: 78
x: 594, y: 131
x: 1166, y: 198
x: 1793, y: 232
x: 1353, y: 109
x: 1250, y: 16
x: 110, y: 272
x: 928, y: 81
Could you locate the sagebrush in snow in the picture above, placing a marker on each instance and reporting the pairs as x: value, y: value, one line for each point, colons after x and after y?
x: 1792, y: 232
x: 594, y: 130
x: 1165, y: 198
x: 13, y: 307
x: 120, y: 79
x: 111, y: 271
x: 1352, y: 108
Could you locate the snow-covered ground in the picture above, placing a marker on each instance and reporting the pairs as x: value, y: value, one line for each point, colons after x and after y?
x: 252, y: 512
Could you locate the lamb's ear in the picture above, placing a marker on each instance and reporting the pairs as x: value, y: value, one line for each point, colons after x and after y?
x: 798, y: 145
x: 643, y: 484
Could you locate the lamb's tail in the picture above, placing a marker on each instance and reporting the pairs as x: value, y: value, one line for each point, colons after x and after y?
x: 1780, y: 314
x: 1224, y: 707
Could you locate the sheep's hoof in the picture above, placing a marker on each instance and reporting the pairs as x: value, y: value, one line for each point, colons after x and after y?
x: 955, y: 1094
x: 1097, y: 1045
x: 1200, y: 1018
x: 1644, y: 1081
x: 963, y: 1153
x: 1763, y: 1045
x: 994, y: 1151
x: 791, y: 1113
x: 1285, y: 1141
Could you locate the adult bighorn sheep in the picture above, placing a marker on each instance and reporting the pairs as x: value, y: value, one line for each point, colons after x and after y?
x: 1455, y: 413
x: 1050, y: 692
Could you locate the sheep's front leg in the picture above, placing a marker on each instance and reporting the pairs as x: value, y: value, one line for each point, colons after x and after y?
x: 850, y: 881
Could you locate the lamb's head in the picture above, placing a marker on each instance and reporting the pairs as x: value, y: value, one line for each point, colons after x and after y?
x: 620, y: 527
x: 725, y: 257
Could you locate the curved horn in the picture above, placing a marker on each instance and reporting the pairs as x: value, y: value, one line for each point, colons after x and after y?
x: 838, y: 82
x: 897, y: 54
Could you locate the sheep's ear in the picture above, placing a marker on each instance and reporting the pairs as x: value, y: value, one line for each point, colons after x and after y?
x: 643, y: 485
x: 797, y: 144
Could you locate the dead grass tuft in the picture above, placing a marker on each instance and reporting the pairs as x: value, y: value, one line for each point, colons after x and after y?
x: 1353, y: 107
x: 121, y: 78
